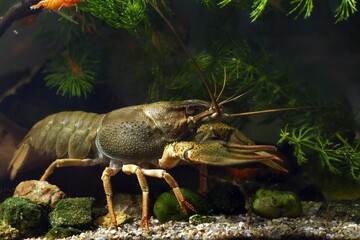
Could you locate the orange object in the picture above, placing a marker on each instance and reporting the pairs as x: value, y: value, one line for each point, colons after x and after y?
x: 27, y: 20
x: 74, y: 67
x: 243, y: 173
x: 55, y: 5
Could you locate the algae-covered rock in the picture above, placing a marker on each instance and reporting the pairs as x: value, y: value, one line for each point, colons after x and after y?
x: 24, y: 215
x: 167, y: 208
x: 61, y: 232
x: 198, y: 219
x: 105, y: 221
x: 8, y: 233
x: 72, y: 212
x: 274, y: 204
x: 128, y: 204
x: 40, y: 192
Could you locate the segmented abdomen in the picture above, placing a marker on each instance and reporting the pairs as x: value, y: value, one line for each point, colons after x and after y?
x: 66, y: 134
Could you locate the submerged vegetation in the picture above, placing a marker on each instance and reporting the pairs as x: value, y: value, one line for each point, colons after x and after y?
x: 339, y: 155
x: 326, y: 129
x: 294, y: 7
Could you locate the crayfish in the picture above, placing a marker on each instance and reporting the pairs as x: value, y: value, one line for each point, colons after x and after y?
x: 160, y: 133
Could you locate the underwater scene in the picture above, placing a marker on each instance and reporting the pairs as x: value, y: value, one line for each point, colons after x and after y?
x: 192, y: 119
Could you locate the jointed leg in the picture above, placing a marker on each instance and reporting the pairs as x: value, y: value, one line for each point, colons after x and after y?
x: 134, y: 169
x: 203, y: 177
x: 67, y: 162
x: 106, y: 175
x: 159, y: 173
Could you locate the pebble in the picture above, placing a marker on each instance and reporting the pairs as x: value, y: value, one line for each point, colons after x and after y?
x: 306, y: 227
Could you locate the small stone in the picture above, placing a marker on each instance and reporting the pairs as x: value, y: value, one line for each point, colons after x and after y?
x: 198, y: 219
x: 8, y: 233
x: 72, y: 212
x: 24, y: 215
x: 61, y: 232
x: 105, y: 221
x: 40, y: 192
x: 128, y: 204
x: 274, y: 204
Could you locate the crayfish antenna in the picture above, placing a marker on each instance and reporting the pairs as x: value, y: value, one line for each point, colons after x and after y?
x: 223, y: 86
x: 189, y: 55
x: 264, y: 111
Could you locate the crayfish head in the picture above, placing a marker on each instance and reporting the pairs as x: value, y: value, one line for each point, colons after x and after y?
x: 179, y: 114
x: 208, y: 115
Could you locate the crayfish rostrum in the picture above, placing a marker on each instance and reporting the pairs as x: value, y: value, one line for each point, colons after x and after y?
x: 161, y: 133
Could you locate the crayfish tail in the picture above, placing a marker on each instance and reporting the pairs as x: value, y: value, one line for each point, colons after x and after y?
x: 18, y: 159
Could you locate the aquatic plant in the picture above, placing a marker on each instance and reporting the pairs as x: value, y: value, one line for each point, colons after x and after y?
x: 340, y: 155
x: 73, y: 76
x: 299, y: 7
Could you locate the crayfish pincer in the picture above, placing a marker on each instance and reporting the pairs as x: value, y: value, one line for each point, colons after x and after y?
x: 160, y: 133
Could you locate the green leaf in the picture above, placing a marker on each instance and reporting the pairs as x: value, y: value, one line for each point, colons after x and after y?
x: 339, y: 158
x: 302, y: 7
x: 346, y: 8
x: 258, y: 9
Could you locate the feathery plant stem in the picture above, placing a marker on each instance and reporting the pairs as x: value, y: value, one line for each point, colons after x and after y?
x: 258, y: 9
x: 302, y: 7
x: 338, y: 155
x: 346, y: 8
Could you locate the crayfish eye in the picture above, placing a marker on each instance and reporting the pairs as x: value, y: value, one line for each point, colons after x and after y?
x: 190, y: 110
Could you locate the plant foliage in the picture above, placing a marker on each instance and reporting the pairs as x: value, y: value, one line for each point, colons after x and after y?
x: 126, y: 14
x: 338, y: 155
x: 247, y: 71
x: 72, y: 76
x: 304, y: 7
x: 300, y: 7
x: 346, y: 8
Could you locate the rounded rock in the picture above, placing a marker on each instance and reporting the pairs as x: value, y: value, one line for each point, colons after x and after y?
x: 40, y: 192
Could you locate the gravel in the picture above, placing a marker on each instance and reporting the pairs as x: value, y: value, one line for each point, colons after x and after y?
x: 309, y: 226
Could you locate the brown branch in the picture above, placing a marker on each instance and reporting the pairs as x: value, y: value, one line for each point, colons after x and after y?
x: 11, y: 91
x: 16, y: 12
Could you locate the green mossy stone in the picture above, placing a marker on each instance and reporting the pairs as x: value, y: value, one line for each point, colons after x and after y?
x: 167, y: 208
x: 8, y: 233
x: 61, y: 232
x: 275, y: 204
x: 24, y: 215
x: 71, y: 212
x: 198, y: 219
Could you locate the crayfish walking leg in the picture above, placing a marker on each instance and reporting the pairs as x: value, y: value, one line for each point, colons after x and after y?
x: 134, y: 169
x: 106, y: 175
x: 158, y: 173
x: 67, y: 162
